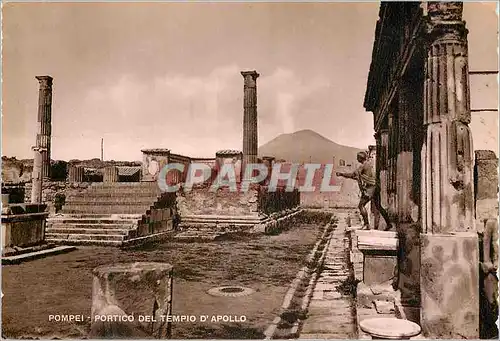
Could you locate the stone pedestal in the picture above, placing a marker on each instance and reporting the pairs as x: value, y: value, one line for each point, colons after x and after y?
x: 110, y: 174
x: 139, y: 289
x: 449, y: 285
x: 153, y: 160
x: 76, y: 174
x: 234, y: 157
x: 379, y: 250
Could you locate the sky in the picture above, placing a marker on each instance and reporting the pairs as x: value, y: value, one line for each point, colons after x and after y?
x: 167, y: 75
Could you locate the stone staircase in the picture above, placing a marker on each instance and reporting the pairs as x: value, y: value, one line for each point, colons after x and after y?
x: 104, y: 214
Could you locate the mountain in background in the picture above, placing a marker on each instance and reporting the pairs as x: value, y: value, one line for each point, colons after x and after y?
x: 308, y: 146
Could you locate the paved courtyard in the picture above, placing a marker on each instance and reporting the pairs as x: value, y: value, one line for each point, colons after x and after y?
x: 63, y: 284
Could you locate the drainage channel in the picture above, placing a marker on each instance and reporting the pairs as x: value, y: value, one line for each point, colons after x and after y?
x: 293, y: 310
x: 331, y: 310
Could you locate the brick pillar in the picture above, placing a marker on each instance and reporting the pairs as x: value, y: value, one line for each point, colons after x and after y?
x: 44, y: 122
x: 110, y: 174
x: 449, y: 244
x: 250, y: 142
x: 75, y: 174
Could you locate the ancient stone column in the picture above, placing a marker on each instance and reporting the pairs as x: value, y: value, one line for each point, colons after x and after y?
x: 44, y: 122
x: 76, y: 174
x: 36, y: 177
x: 382, y: 138
x: 486, y: 185
x: 250, y: 143
x: 449, y: 244
x: 110, y: 174
x: 408, y: 226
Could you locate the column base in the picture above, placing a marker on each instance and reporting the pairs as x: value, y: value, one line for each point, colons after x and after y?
x: 449, y: 285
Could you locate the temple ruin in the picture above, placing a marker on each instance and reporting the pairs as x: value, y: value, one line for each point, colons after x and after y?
x: 419, y: 92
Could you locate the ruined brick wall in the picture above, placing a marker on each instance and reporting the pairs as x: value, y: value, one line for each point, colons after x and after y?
x: 201, y: 201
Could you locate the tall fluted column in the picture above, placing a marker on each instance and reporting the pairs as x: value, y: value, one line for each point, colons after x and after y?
x: 408, y: 227
x: 382, y: 137
x: 449, y: 245
x: 44, y: 122
x: 250, y: 142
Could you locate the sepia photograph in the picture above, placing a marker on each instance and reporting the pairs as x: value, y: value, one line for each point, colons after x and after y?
x: 315, y: 170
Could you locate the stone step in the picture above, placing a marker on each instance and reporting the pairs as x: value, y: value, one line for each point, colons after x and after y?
x: 103, y: 221
x: 97, y: 216
x: 114, y: 194
x: 87, y: 242
x: 110, y: 201
x: 102, y: 216
x: 76, y: 237
x: 72, y: 230
x: 126, y: 225
x: 105, y: 209
x: 125, y: 184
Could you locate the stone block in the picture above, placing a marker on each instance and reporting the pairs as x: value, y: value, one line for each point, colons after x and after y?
x: 378, y: 269
x: 132, y: 289
x: 384, y: 307
x: 449, y: 285
x: 377, y: 245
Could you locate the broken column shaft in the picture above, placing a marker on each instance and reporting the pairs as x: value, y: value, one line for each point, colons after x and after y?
x: 250, y: 142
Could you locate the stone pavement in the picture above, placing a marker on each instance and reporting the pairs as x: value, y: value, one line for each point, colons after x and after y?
x: 330, y: 314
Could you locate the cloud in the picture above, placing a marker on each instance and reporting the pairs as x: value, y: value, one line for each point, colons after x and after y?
x: 189, y: 115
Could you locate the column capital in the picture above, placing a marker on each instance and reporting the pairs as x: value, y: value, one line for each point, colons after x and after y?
x: 444, y: 21
x: 250, y: 78
x: 445, y: 11
x: 45, y: 81
x: 253, y: 73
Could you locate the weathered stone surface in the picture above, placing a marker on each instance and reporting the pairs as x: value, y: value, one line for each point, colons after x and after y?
x: 449, y: 285
x: 384, y: 307
x: 132, y: 289
x: 486, y: 170
x: 409, y: 263
x: 486, y: 185
x: 378, y: 269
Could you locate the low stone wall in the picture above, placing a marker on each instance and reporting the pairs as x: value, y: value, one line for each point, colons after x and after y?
x: 277, y: 201
x: 348, y: 197
x: 50, y: 189
x: 23, y: 225
x: 201, y: 201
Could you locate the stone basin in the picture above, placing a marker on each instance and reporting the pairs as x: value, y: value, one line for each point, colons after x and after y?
x: 390, y: 328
